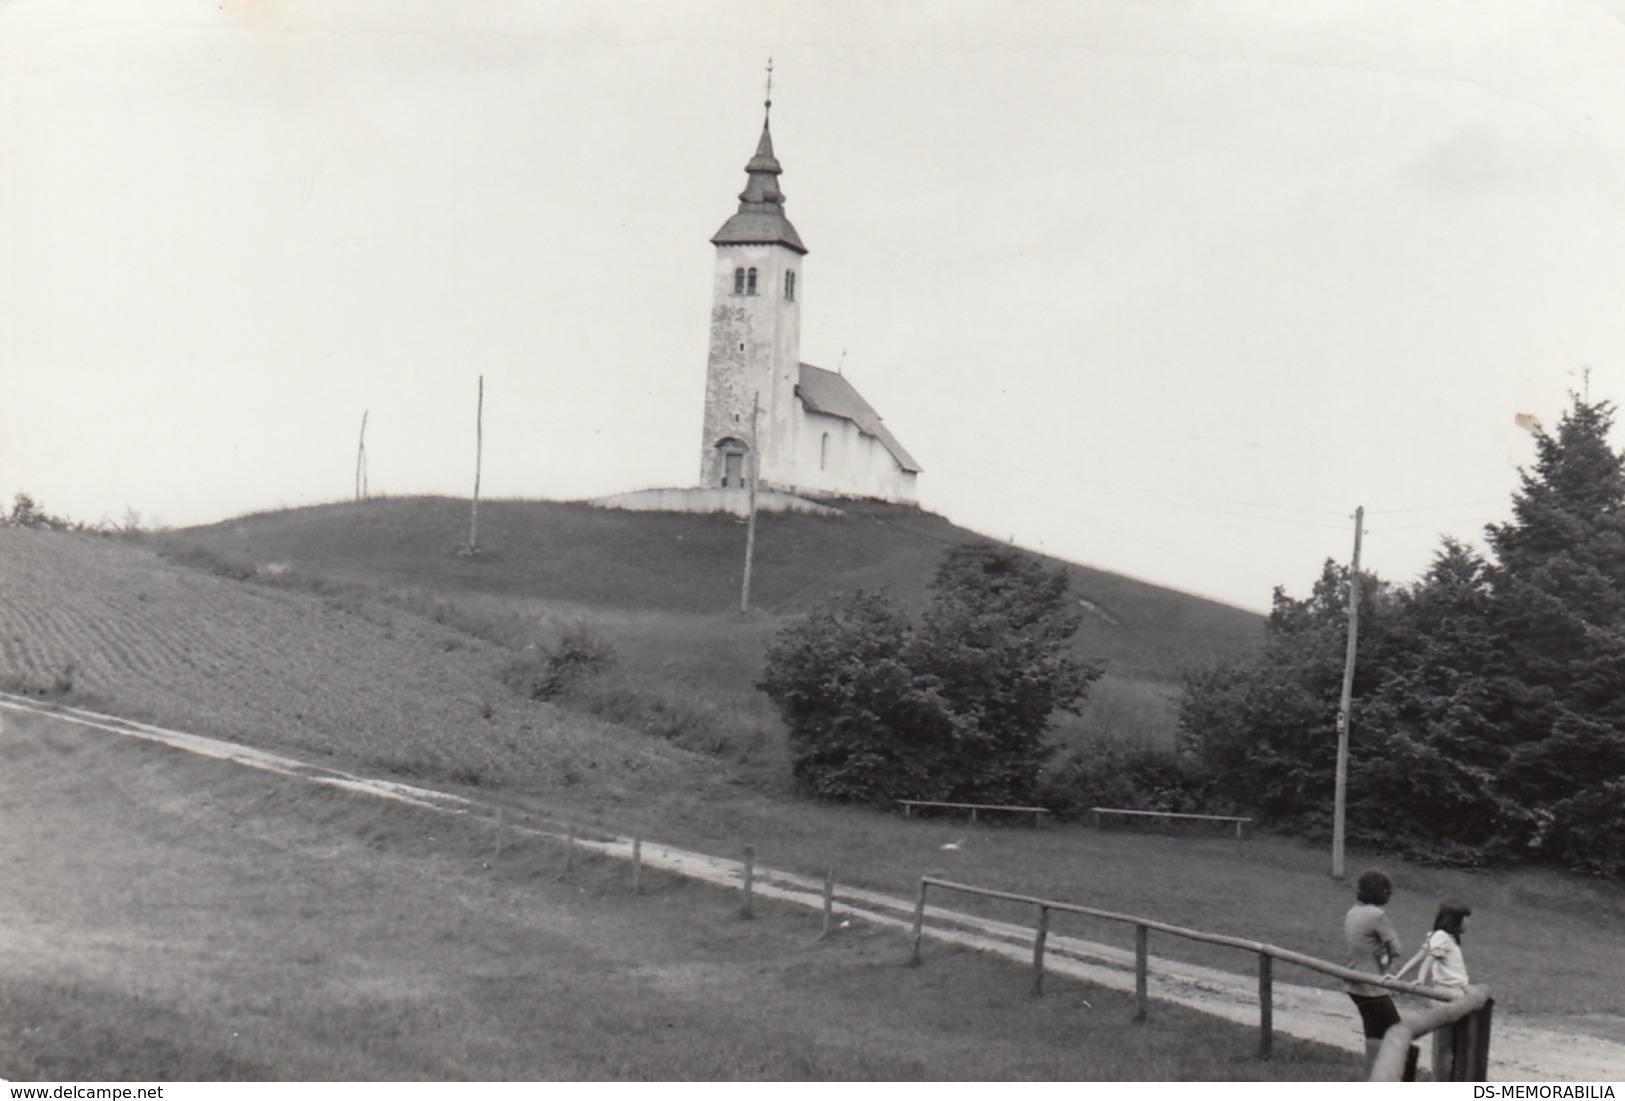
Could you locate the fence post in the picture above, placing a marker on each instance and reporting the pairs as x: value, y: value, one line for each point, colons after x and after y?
x: 1038, y: 950
x: 1266, y: 1004
x: 1140, y: 936
x: 637, y: 864
x: 750, y: 875
x: 919, y: 920
x: 1470, y: 1046
x: 829, y: 899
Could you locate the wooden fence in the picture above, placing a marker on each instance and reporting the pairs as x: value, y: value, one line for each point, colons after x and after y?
x: 1476, y: 1059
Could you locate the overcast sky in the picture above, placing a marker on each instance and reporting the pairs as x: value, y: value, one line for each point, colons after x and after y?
x: 1163, y: 288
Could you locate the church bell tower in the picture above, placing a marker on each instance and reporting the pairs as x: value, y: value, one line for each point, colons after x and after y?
x: 755, y: 352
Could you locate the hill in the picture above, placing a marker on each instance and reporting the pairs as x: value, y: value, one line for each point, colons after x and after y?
x: 612, y: 561
x: 392, y: 683
x: 663, y: 590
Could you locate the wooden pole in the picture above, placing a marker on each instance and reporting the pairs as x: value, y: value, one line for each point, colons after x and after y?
x: 637, y: 864
x: 1141, y: 935
x: 361, y: 461
x: 1038, y: 950
x: 1340, y: 800
x: 750, y: 875
x: 1391, y: 1057
x: 750, y: 522
x: 1266, y: 1005
x: 919, y: 920
x: 479, y: 447
x: 829, y: 900
x: 570, y: 851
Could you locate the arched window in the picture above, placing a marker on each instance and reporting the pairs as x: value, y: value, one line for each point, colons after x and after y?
x: 739, y: 280
x: 789, y: 286
x: 823, y: 452
x: 750, y: 282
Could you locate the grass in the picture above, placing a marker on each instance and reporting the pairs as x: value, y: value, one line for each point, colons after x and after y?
x: 246, y: 927
x: 664, y: 588
x: 405, y: 678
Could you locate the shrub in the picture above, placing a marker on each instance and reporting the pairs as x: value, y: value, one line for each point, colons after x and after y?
x: 579, y: 652
x: 1106, y: 771
x: 958, y: 709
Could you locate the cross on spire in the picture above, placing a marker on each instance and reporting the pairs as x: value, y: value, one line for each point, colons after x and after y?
x: 767, y: 104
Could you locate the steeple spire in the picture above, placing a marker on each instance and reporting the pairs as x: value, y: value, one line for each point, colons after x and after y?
x: 761, y: 220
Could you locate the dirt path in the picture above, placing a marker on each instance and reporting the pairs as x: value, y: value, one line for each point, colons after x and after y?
x: 1520, y: 1051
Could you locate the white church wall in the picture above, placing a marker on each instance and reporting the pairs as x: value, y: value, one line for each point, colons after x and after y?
x: 850, y: 464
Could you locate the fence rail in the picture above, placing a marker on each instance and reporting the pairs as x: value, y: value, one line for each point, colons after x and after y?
x: 1266, y: 953
x: 1038, y: 813
x: 1239, y: 822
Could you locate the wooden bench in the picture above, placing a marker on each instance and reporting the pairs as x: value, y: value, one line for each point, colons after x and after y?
x: 1037, y: 812
x: 1240, y: 822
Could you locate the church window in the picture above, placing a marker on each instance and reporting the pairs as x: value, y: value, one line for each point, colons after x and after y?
x: 739, y: 280
x: 750, y: 281
x: 823, y: 452
x: 789, y: 286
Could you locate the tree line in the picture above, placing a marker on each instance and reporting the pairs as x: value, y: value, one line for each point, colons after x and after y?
x: 1488, y: 717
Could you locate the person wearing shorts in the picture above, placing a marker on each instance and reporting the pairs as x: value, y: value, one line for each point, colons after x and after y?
x: 1373, y: 947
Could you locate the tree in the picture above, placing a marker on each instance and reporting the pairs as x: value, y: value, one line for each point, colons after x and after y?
x: 28, y: 513
x: 864, y: 725
x: 1261, y: 728
x: 1558, y: 588
x: 1488, y: 722
x: 956, y: 709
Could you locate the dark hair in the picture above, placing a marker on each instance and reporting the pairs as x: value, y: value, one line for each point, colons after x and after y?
x: 1374, y: 887
x: 1452, y: 912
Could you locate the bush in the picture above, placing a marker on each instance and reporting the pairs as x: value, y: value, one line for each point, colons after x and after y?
x: 1105, y: 771
x: 958, y: 709
x: 580, y: 652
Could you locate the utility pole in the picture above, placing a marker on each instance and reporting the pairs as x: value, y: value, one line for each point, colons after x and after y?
x: 1343, y: 705
x: 750, y: 522
x: 479, y: 447
x: 361, y: 461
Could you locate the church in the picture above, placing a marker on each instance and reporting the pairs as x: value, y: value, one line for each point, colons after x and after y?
x: 814, y: 435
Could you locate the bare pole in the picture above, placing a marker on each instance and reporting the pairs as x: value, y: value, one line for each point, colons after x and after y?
x: 750, y: 523
x: 479, y: 447
x: 1345, y: 702
x: 361, y: 461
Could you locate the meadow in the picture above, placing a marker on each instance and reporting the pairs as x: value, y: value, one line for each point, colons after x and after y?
x: 357, y: 635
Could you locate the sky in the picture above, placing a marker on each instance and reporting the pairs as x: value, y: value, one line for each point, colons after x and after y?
x: 1164, y: 288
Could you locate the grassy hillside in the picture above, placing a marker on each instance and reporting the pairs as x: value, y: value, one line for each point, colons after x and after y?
x: 616, y: 561
x: 392, y: 684
x: 663, y: 588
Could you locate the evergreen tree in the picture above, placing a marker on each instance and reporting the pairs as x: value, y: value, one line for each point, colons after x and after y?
x: 1558, y: 588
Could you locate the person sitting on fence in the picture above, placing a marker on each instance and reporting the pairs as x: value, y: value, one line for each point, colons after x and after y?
x: 1441, y: 964
x: 1373, y: 946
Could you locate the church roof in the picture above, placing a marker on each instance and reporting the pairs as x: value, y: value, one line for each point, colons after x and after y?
x: 826, y: 392
x: 760, y: 219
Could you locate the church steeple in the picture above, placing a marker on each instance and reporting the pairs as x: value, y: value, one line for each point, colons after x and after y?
x: 760, y: 219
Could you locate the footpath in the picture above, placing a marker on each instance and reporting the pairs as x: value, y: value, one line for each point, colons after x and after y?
x: 1519, y: 1052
